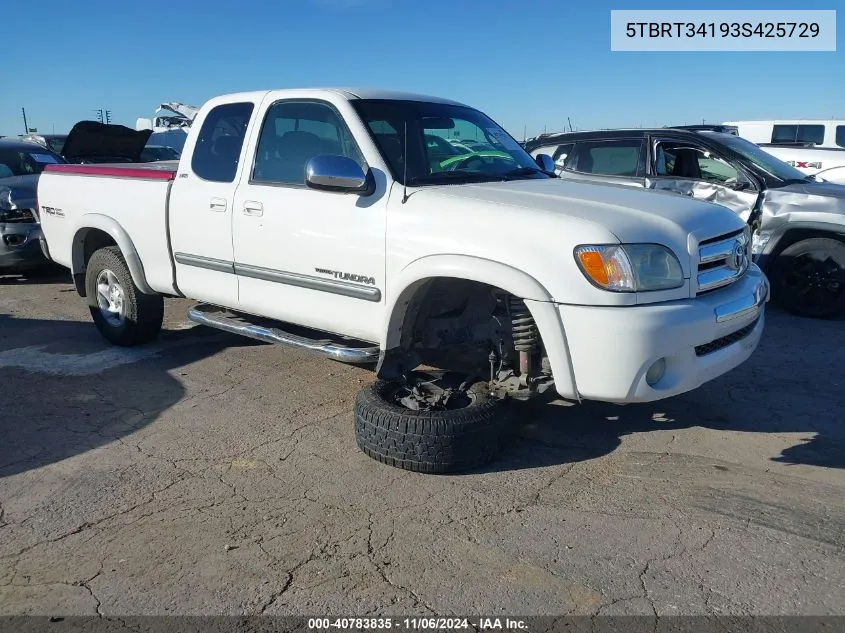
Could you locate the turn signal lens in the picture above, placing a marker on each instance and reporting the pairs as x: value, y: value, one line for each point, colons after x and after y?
x: 593, y: 265
x: 630, y: 267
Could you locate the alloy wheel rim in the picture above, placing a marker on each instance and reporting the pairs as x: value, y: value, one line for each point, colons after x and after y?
x: 111, y: 298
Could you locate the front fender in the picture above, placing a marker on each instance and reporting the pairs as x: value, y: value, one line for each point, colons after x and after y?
x: 511, y: 280
x: 111, y: 227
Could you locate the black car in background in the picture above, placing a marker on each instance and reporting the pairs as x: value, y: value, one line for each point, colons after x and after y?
x: 21, y: 162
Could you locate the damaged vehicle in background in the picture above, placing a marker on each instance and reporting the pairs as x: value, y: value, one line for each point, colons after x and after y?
x: 798, y: 222
x: 154, y: 153
x: 54, y: 142
x: 94, y: 142
x: 21, y: 163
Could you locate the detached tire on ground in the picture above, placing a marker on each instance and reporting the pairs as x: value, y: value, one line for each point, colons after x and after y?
x: 429, y: 441
x: 123, y: 314
x: 808, y: 278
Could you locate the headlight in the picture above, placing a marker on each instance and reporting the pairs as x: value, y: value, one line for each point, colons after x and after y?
x: 6, y: 203
x: 630, y: 267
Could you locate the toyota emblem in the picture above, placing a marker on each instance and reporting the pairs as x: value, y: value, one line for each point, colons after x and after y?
x: 738, y: 257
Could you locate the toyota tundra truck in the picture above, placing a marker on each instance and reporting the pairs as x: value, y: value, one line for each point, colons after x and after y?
x: 347, y: 222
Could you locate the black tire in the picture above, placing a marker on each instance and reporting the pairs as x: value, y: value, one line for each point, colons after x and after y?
x: 808, y: 278
x: 142, y: 314
x: 428, y: 441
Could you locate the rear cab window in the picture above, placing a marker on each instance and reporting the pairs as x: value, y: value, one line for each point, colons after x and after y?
x: 220, y: 140
x: 798, y: 134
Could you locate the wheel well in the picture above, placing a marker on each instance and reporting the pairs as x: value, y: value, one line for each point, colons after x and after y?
x: 453, y: 323
x: 793, y: 236
x: 88, y: 243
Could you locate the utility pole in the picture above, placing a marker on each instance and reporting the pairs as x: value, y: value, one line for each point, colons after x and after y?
x: 99, y: 115
x: 25, y: 126
x: 108, y: 116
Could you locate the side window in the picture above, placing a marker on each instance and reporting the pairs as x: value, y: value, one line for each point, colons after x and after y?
x: 798, y: 134
x: 680, y: 160
x: 609, y: 158
x: 784, y: 133
x: 293, y: 133
x: 840, y: 135
x: 220, y: 141
x: 561, y: 155
x: 811, y: 134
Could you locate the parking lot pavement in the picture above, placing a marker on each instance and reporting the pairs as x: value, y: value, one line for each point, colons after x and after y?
x: 207, y: 474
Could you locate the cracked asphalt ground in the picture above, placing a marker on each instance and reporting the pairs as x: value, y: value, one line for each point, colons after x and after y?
x: 207, y: 474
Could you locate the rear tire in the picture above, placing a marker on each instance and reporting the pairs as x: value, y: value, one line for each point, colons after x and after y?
x: 808, y: 278
x: 428, y: 441
x: 123, y: 314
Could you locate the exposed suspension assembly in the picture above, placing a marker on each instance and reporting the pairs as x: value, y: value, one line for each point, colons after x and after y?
x: 525, y: 336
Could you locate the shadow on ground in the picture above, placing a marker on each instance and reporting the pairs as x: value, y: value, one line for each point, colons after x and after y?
x: 66, y: 391
x: 48, y: 274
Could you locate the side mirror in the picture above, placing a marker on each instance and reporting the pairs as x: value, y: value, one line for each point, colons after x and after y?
x: 336, y: 173
x: 546, y: 163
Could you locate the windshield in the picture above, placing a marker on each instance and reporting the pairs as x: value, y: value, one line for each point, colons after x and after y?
x: 56, y: 143
x: 159, y: 153
x: 446, y: 143
x: 762, y: 159
x: 21, y: 162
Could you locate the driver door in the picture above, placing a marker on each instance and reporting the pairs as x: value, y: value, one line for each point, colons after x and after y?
x: 691, y: 169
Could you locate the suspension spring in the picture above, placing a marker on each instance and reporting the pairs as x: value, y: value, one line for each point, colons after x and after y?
x: 525, y: 333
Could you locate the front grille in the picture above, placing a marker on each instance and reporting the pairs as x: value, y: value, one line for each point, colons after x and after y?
x: 723, y: 342
x: 722, y: 260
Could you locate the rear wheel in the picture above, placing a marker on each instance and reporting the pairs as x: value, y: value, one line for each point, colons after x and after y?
x: 431, y: 422
x: 808, y: 278
x: 122, y: 313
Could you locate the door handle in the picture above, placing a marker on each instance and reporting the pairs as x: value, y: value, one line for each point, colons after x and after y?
x: 253, y: 208
x: 217, y: 204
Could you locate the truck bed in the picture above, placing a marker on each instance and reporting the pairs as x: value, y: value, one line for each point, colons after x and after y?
x: 128, y: 202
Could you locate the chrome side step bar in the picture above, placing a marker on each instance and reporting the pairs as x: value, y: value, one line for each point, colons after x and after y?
x: 221, y: 319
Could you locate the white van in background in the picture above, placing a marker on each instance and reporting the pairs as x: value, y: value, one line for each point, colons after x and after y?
x: 822, y: 133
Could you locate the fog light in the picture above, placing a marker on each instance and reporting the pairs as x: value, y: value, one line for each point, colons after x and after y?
x: 656, y: 372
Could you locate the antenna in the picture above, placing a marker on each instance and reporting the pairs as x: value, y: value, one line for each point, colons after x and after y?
x: 568, y: 120
x: 405, y: 166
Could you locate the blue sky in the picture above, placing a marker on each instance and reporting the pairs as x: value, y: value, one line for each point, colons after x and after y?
x: 526, y: 67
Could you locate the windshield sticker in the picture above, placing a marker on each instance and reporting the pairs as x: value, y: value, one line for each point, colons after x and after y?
x: 44, y: 158
x: 503, y: 139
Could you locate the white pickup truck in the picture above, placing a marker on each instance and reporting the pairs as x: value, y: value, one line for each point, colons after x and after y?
x: 340, y: 221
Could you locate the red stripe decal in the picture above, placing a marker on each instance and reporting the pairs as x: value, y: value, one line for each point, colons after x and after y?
x: 145, y: 173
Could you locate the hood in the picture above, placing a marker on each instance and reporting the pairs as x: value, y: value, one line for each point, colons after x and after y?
x: 22, y: 188
x: 826, y: 189
x: 631, y: 215
x: 91, y: 139
x: 18, y: 192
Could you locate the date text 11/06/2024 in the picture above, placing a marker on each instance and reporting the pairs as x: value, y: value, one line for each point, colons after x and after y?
x: 415, y: 624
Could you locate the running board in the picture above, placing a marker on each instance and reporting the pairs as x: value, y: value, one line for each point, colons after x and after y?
x: 258, y: 329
